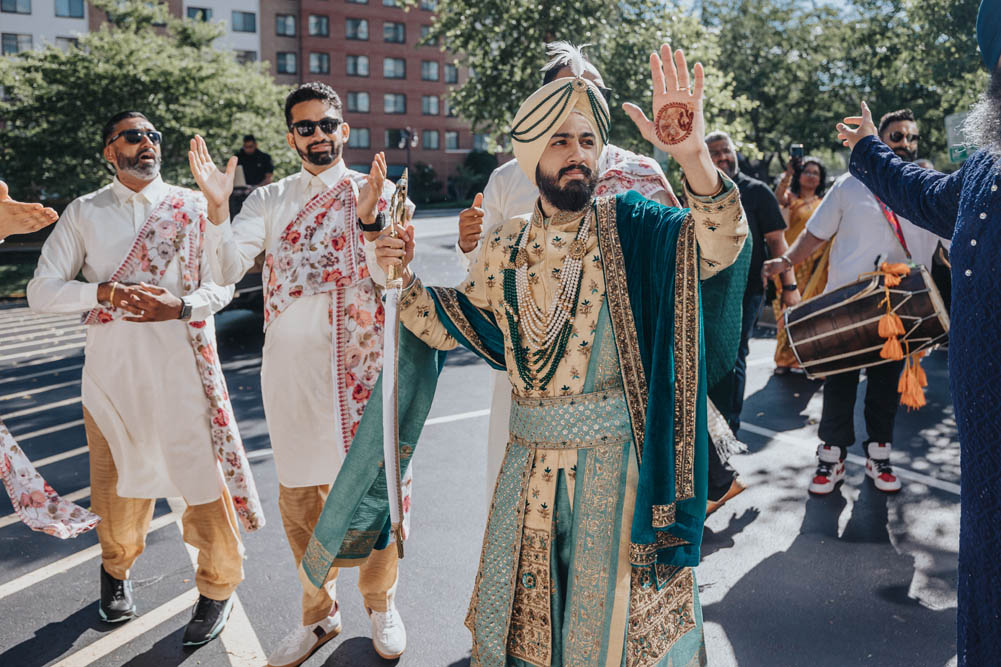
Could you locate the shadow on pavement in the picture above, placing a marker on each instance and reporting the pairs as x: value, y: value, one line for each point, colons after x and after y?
x: 842, y: 600
x: 55, y: 639
x: 356, y: 652
x: 713, y: 541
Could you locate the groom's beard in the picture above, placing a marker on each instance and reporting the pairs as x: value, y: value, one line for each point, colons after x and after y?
x: 983, y: 125
x: 574, y: 196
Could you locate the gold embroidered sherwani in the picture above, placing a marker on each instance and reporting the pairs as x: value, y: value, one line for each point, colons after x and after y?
x: 594, y: 471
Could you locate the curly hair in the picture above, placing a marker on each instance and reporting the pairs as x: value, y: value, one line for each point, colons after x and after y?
x: 821, y: 187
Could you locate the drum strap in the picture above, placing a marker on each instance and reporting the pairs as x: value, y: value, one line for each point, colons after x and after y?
x: 891, y: 218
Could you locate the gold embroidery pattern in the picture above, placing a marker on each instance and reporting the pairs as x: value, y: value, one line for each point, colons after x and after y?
x: 448, y: 301
x: 530, y: 636
x: 658, y: 619
x: 686, y: 362
x: 568, y: 421
x: 316, y: 557
x: 589, y: 605
x: 606, y: 375
x: 621, y: 315
x: 645, y: 555
x: 663, y: 515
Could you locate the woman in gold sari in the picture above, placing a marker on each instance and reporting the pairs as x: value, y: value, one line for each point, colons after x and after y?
x: 799, y: 193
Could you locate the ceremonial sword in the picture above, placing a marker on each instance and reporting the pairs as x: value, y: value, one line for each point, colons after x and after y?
x: 390, y: 370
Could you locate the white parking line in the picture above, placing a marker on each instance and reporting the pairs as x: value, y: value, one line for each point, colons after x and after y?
x: 41, y: 408
x: 64, y: 564
x: 56, y: 458
x: 28, y: 393
x: 22, y: 331
x: 854, y: 458
x: 131, y: 630
x: 32, y: 376
x: 241, y: 642
x: 43, y: 340
x: 457, y: 417
x: 13, y: 518
x: 46, y: 431
x: 42, y: 361
x: 32, y: 353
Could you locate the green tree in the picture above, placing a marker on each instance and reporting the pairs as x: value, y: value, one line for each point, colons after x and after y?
x: 56, y: 102
x: 503, y: 44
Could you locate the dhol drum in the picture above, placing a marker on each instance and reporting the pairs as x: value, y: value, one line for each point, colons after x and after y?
x: 839, y: 331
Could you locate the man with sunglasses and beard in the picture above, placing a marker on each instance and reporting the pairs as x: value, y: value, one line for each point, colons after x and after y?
x: 156, y: 410
x: 323, y: 324
x: 509, y: 192
x: 865, y: 228
x: 964, y: 206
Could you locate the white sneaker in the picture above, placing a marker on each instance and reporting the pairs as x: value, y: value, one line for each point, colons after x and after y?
x: 830, y: 470
x: 389, y: 637
x: 878, y: 468
x: 305, y: 640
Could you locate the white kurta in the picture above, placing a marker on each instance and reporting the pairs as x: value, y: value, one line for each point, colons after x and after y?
x: 140, y: 380
x: 296, y: 370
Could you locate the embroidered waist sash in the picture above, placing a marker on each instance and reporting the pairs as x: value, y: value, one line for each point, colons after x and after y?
x: 571, y: 422
x: 176, y: 228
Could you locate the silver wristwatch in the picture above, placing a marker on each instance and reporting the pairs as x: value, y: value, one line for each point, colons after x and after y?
x: 185, y: 314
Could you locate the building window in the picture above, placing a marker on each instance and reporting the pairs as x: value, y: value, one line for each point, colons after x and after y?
x: 285, y: 25
x: 394, y: 32
x: 390, y: 3
x: 319, y: 63
x: 394, y: 68
x: 66, y: 43
x: 14, y: 43
x: 199, y: 13
x: 357, y: 65
x: 451, y: 140
x: 358, y: 102
x: 429, y: 105
x: 429, y: 5
x: 71, y: 9
x: 285, y: 61
x: 451, y: 74
x: 429, y: 70
x: 449, y: 111
x: 360, y: 137
x: 358, y: 2
x: 429, y: 139
x: 479, y: 142
x: 244, y: 22
x: 319, y: 26
x: 356, y: 29
x: 394, y: 138
x: 394, y: 103
x: 15, y: 7
x: 425, y: 31
x: 244, y: 57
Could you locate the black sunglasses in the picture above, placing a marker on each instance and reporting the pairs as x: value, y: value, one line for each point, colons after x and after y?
x: 897, y: 136
x: 136, y: 136
x: 305, y: 128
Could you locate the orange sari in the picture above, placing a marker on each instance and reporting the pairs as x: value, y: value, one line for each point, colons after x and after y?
x: 811, y: 274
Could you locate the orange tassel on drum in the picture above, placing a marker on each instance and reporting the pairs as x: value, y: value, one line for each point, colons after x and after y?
x: 892, y: 273
x: 892, y: 350
x: 919, y: 372
x: 911, y: 381
x: 891, y: 324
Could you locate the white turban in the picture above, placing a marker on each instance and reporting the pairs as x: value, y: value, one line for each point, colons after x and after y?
x: 544, y: 112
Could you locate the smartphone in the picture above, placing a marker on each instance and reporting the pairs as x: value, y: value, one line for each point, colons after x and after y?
x: 796, y: 151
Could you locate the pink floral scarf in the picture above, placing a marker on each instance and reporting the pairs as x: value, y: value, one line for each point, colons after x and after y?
x: 322, y: 251
x: 622, y: 170
x: 36, y: 503
x: 177, y: 228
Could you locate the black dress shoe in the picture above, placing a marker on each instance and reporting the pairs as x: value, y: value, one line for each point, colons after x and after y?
x: 116, y: 599
x: 207, y: 620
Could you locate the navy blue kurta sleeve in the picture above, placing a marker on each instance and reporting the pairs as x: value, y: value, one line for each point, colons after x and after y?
x: 928, y: 198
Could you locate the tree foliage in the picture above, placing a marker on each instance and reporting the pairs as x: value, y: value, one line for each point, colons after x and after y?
x: 503, y: 43
x: 55, y: 102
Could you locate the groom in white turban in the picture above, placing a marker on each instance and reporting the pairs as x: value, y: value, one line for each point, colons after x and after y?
x: 594, y: 308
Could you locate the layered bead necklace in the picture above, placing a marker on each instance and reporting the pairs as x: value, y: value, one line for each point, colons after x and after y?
x: 546, y: 333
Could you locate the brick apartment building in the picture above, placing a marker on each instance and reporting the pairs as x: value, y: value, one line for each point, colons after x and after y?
x: 365, y: 49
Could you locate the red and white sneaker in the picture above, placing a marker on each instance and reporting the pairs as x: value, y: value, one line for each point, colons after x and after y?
x: 830, y: 470
x: 877, y: 466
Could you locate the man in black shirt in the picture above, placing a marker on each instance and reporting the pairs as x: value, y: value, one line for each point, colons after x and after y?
x: 257, y: 166
x: 767, y: 230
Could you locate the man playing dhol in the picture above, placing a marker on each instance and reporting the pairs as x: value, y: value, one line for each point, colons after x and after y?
x: 964, y: 206
x: 155, y: 405
x: 592, y: 305
x: 323, y: 338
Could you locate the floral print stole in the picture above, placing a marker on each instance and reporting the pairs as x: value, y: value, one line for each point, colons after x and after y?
x: 176, y: 228
x: 321, y: 251
x: 621, y: 171
x: 36, y: 503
